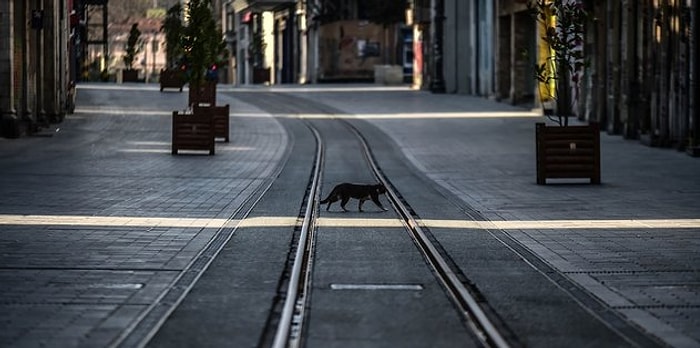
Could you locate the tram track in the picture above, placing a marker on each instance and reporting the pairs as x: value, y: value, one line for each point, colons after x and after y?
x: 292, y: 319
x: 355, y: 278
x: 362, y: 283
x: 288, y: 333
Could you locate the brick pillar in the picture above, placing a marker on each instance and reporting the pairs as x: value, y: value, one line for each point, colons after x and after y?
x: 39, y: 47
x: 503, y: 63
x: 9, y: 122
x: 54, y: 46
x: 6, y: 54
x: 437, y: 79
x: 614, y: 20
x: 694, y: 121
x: 25, y: 63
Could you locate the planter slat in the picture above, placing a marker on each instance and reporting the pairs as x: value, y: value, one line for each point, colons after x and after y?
x: 204, y: 94
x: 564, y: 175
x: 192, y: 132
x: 564, y: 137
x: 130, y: 75
x: 568, y: 167
x: 568, y: 152
x: 567, y: 143
x: 171, y: 79
x: 568, y: 159
x: 221, y: 119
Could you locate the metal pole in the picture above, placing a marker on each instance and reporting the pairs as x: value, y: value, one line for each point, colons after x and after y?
x: 694, y: 121
x: 154, y: 48
x: 437, y: 80
x: 39, y: 79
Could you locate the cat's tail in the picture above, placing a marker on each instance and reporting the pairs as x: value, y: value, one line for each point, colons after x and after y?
x: 328, y: 198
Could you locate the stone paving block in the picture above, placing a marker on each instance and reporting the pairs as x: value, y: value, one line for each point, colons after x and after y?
x: 107, y: 164
x: 491, y: 168
x: 71, y: 273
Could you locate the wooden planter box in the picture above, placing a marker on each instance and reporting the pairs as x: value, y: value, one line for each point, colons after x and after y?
x: 130, y: 76
x: 203, y: 94
x: 171, y: 79
x: 221, y: 119
x: 261, y: 75
x: 193, y: 132
x: 571, y: 152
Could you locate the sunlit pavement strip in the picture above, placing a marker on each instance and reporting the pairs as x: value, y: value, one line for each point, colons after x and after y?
x: 130, y: 112
x: 424, y: 115
x: 124, y: 221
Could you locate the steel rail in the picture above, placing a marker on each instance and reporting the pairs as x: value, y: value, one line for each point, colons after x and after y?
x: 294, y: 304
x: 179, y: 287
x: 299, y: 279
x: 469, y: 308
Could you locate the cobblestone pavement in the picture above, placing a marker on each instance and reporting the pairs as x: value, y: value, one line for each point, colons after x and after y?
x: 97, y: 219
x: 634, y: 241
x: 94, y: 225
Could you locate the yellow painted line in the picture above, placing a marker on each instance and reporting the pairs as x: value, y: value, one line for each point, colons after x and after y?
x: 115, y: 221
x: 122, y: 221
x: 273, y: 221
x: 566, y: 224
x: 283, y: 221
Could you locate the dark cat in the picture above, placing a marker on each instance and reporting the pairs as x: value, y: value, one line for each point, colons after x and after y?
x: 343, y: 192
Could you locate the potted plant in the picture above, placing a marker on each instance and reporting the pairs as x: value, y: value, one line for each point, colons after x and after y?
x: 563, y: 151
x: 192, y: 131
x: 256, y: 54
x: 204, y: 49
x: 132, y: 48
x: 173, y: 75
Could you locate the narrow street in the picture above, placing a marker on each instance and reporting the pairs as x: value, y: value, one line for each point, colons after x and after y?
x: 106, y: 239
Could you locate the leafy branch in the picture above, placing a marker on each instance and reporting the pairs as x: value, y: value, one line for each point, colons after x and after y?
x: 203, y: 44
x: 134, y: 44
x: 563, y: 22
x: 173, y: 28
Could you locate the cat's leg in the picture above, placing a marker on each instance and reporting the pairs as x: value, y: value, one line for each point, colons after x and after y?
x: 331, y: 199
x: 359, y: 206
x: 343, y: 202
x: 378, y: 203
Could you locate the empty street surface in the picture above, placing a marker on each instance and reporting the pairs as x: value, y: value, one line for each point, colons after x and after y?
x: 109, y: 240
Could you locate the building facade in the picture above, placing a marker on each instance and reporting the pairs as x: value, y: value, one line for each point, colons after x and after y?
x: 640, y: 80
x: 309, y: 41
x: 468, y: 47
x: 264, y: 40
x: 35, y: 83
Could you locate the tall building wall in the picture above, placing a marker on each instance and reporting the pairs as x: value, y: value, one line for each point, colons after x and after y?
x: 33, y: 64
x: 6, y: 59
x: 469, y: 47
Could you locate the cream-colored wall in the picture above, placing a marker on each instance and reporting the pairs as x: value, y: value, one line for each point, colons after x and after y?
x: 116, y: 53
x: 268, y: 23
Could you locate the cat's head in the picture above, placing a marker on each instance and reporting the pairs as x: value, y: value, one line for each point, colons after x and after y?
x: 380, y: 188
